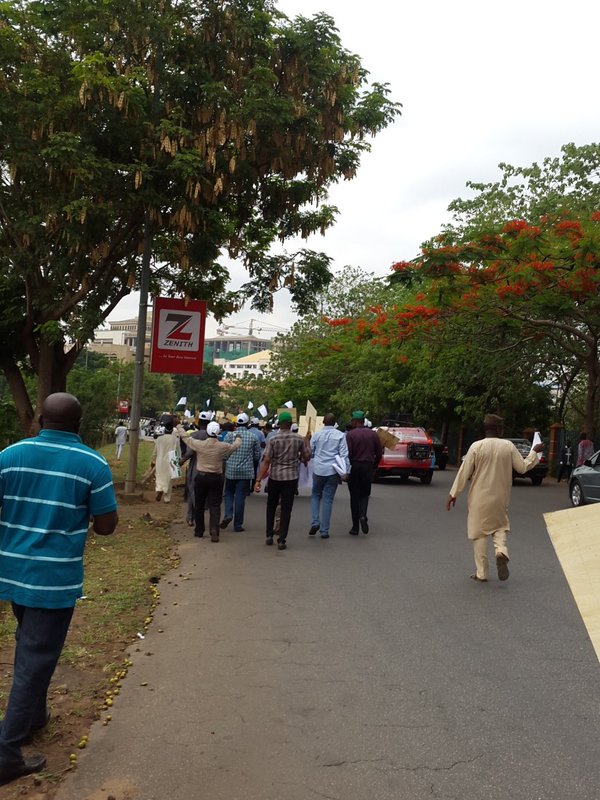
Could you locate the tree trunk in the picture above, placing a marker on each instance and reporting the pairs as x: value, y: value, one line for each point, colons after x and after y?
x: 592, y: 393
x: 18, y: 390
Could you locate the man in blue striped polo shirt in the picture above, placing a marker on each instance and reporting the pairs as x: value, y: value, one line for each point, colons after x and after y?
x: 50, y: 487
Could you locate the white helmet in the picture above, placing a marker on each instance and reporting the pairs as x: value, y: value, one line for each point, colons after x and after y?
x: 295, y: 427
x: 206, y: 415
x: 213, y: 429
x: 242, y: 419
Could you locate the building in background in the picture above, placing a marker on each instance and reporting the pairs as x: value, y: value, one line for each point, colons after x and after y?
x: 249, y: 366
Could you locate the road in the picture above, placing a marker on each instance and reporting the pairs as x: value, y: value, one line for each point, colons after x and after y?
x: 358, y: 668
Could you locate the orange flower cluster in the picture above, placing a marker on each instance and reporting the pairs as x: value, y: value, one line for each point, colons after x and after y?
x: 595, y: 216
x: 336, y: 323
x: 571, y: 229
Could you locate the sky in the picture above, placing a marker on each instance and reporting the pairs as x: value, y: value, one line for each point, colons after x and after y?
x: 481, y: 82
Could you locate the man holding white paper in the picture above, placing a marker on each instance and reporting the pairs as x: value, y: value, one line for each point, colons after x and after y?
x: 488, y: 465
x: 330, y: 464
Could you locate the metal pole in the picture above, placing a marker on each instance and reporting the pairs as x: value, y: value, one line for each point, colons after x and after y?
x: 140, y: 350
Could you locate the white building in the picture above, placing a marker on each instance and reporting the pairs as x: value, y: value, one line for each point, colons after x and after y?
x: 249, y: 366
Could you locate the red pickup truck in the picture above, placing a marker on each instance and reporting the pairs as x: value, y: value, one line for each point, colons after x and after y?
x: 411, y: 457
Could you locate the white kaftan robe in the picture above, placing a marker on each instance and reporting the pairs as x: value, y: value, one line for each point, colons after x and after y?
x: 489, y: 464
x: 162, y: 446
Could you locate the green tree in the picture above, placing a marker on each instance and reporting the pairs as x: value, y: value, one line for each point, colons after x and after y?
x: 200, y: 388
x: 214, y: 126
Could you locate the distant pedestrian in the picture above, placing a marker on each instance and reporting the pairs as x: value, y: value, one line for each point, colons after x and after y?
x: 50, y: 487
x: 208, y: 483
x: 120, y: 439
x: 240, y: 469
x: 585, y: 449
x: 167, y: 452
x: 364, y: 453
x: 329, y: 462
x: 281, y: 460
x: 566, y: 462
x: 488, y: 466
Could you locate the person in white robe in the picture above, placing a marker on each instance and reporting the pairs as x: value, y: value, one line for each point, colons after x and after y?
x: 161, y: 459
x: 489, y: 465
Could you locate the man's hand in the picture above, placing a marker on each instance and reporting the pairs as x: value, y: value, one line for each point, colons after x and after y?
x: 450, y: 502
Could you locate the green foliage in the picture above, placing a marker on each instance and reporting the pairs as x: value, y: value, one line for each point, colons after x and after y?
x: 200, y: 388
x: 221, y: 125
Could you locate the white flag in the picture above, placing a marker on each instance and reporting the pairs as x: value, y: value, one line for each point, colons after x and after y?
x: 208, y: 402
x: 187, y: 413
x: 250, y: 404
x: 537, y: 439
x: 263, y: 411
x: 182, y: 401
x: 289, y: 404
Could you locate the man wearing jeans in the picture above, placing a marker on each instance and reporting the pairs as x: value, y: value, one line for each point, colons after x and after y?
x: 330, y: 461
x: 50, y: 486
x: 240, y: 469
x: 283, y: 454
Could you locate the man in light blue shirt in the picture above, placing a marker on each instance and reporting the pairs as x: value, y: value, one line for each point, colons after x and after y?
x: 330, y: 463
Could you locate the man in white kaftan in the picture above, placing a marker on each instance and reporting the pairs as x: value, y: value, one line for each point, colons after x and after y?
x: 166, y: 449
x: 488, y: 464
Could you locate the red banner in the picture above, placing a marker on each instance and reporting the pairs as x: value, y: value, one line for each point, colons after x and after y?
x: 178, y: 336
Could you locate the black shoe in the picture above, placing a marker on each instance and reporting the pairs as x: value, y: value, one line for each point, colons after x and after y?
x: 199, y: 535
x: 11, y: 771
x: 502, y: 567
x: 269, y: 540
x: 364, y: 525
x: 281, y: 545
x: 324, y: 536
x: 313, y: 530
x: 353, y: 532
x: 239, y: 530
x: 225, y: 522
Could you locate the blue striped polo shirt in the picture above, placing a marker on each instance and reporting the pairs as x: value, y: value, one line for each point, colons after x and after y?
x: 50, y: 485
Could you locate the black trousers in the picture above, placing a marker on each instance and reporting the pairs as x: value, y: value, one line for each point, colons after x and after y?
x: 359, y: 486
x: 208, y: 491
x: 284, y: 491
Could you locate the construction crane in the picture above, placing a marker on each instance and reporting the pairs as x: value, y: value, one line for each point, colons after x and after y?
x: 254, y: 326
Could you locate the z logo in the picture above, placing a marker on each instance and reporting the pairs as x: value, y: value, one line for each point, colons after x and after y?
x: 177, y: 332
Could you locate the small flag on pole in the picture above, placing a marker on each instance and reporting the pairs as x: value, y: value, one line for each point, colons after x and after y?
x: 250, y: 405
x: 182, y: 401
x: 208, y: 402
x: 289, y: 404
x: 262, y: 410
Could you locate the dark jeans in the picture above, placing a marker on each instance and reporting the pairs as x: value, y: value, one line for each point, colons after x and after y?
x: 208, y: 491
x: 359, y: 485
x: 565, y: 469
x: 40, y: 635
x: 284, y: 491
x: 236, y: 491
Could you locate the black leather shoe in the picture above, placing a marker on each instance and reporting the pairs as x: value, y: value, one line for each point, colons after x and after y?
x: 353, y: 532
x: 17, y: 769
x: 239, y: 530
x: 281, y: 545
x: 313, y: 530
x: 225, y: 522
x: 364, y: 525
x: 199, y: 535
x: 269, y: 540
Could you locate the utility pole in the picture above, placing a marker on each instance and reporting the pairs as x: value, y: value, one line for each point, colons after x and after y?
x: 140, y: 345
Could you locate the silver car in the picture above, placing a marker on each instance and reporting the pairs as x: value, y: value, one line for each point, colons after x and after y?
x: 584, y: 484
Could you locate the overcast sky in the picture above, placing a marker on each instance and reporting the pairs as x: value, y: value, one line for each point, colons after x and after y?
x: 480, y: 82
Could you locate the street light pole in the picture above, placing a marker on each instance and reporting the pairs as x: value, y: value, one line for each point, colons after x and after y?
x: 140, y: 352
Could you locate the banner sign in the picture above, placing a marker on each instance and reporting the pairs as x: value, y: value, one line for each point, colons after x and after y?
x: 178, y: 336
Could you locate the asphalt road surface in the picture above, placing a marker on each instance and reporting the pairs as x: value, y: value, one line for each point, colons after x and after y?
x: 358, y: 668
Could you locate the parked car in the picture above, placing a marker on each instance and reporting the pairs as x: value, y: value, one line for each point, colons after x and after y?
x: 584, y: 483
x: 411, y: 457
x: 441, y: 453
x: 538, y: 472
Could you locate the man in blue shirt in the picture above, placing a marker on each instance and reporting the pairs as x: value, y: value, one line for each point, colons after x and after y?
x: 50, y: 486
x: 330, y: 462
x: 240, y: 469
